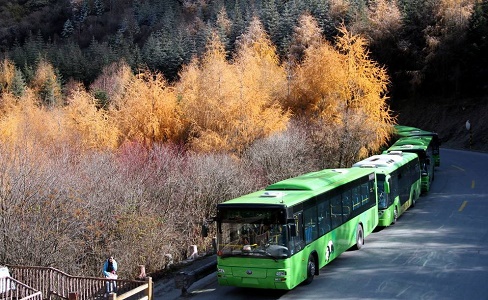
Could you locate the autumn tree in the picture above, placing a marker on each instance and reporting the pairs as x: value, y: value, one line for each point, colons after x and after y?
x: 110, y: 85
x: 7, y: 75
x: 27, y: 123
x: 318, y: 79
x: 364, y: 92
x: 207, y: 89
x: 227, y: 106
x: 46, y: 84
x: 262, y: 83
x: 306, y: 34
x: 148, y: 110
x: 86, y: 125
x: 445, y: 42
x: 384, y: 21
x: 339, y: 87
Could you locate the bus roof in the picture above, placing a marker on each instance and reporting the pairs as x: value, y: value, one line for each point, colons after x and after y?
x: 387, y: 162
x: 413, y: 141
x: 295, y: 190
x: 405, y: 131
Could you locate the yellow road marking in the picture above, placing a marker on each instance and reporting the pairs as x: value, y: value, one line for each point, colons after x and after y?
x: 463, y: 205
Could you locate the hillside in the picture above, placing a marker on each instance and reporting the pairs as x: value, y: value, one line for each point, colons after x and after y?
x: 448, y: 119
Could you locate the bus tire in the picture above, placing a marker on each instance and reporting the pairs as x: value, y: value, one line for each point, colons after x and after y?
x: 311, y: 269
x: 414, y: 200
x: 395, y: 216
x: 359, y: 237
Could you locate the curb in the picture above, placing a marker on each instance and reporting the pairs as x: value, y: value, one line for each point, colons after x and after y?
x: 197, y: 274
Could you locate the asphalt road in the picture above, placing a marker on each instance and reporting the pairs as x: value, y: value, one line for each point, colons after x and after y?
x: 436, y: 250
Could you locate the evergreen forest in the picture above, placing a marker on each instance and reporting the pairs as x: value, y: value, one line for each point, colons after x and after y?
x: 124, y: 123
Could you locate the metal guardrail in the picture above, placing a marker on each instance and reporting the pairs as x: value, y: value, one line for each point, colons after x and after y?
x: 55, y: 284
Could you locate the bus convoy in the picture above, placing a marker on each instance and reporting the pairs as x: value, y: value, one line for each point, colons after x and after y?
x: 281, y: 236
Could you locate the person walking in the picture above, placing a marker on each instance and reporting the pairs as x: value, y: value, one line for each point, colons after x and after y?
x: 110, y: 271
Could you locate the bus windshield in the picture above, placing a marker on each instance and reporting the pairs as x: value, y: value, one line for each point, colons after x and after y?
x: 252, y: 233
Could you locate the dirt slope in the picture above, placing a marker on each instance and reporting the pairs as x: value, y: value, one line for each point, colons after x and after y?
x: 448, y: 119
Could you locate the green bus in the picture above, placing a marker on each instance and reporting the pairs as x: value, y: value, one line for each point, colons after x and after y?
x: 406, y: 131
x: 279, y: 237
x: 422, y: 146
x: 399, y: 183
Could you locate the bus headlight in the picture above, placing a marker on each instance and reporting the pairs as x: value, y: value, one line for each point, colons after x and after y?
x: 222, y: 271
x: 281, y: 273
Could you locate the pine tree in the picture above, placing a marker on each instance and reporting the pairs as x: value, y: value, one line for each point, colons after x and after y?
x: 47, y: 85
x: 68, y: 29
x: 99, y: 7
x: 18, y: 84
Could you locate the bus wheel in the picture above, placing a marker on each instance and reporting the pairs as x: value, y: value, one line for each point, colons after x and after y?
x: 414, y: 200
x: 311, y: 269
x: 395, y: 216
x: 359, y: 237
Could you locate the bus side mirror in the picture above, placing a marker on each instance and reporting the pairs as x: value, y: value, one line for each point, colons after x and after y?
x: 204, y: 230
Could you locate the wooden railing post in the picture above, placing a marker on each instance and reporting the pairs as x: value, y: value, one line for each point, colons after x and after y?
x: 73, y: 296
x: 149, y: 291
x: 112, y: 296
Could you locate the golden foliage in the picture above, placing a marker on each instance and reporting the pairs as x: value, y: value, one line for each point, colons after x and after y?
x: 365, y: 87
x: 25, y: 123
x: 207, y: 89
x: 317, y: 86
x: 80, y: 125
x: 455, y: 14
x: 227, y: 106
x: 305, y: 35
x: 148, y: 110
x: 86, y: 125
x: 343, y: 87
x: 7, y: 74
x: 339, y: 9
x: 113, y: 80
x: 385, y: 19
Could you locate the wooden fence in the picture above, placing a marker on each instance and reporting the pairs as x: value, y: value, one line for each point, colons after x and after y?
x: 55, y: 284
x: 11, y: 289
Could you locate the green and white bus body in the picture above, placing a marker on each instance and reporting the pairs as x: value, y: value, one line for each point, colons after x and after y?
x: 401, y: 131
x: 422, y: 146
x: 280, y: 237
x: 398, y: 183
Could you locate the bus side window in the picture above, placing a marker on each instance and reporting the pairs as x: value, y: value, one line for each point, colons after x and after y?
x: 356, y: 201
x: 336, y: 211
x: 364, y: 194
x: 324, y: 217
x: 310, y: 223
x: 346, y: 205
